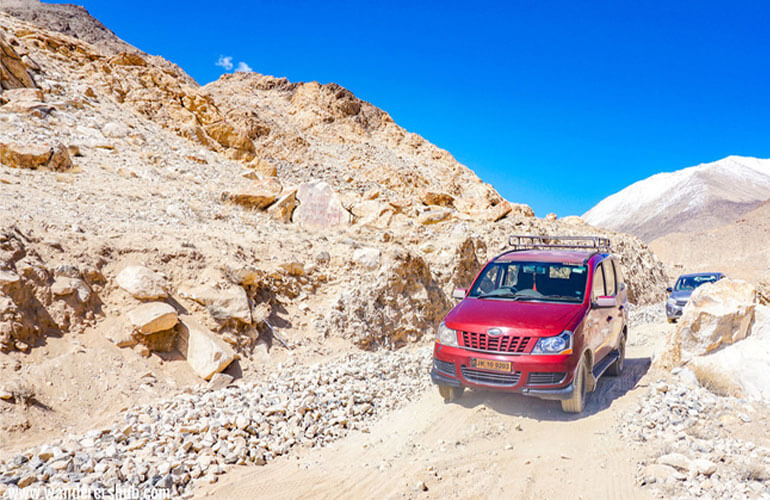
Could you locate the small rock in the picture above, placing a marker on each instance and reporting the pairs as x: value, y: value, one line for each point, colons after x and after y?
x: 219, y: 381
x: 703, y: 466
x: 367, y: 257
x: 660, y: 473
x: 26, y: 480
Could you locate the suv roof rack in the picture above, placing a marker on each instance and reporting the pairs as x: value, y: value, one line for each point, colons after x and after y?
x: 546, y: 242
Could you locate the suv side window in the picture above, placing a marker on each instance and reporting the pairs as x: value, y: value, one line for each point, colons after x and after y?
x: 618, y: 272
x: 598, y: 285
x: 609, y: 276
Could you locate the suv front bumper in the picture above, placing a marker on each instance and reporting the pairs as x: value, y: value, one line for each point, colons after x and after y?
x: 674, y: 311
x: 451, y: 366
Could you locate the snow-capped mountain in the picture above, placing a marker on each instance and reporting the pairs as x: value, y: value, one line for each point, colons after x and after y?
x: 692, y: 199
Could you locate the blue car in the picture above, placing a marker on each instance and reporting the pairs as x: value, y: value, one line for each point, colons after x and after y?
x: 680, y: 293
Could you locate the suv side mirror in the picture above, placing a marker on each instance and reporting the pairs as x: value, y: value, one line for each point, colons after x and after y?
x: 459, y: 293
x: 602, y: 302
x: 669, y: 289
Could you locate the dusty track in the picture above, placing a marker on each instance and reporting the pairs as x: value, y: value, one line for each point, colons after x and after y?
x: 487, y: 445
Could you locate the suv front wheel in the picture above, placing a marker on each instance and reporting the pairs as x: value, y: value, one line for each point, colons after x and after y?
x: 450, y: 393
x: 576, y: 403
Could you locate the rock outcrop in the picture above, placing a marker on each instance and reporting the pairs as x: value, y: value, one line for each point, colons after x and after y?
x: 13, y: 71
x: 35, y: 300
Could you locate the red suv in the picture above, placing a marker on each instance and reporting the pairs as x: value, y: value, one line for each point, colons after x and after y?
x: 544, y: 319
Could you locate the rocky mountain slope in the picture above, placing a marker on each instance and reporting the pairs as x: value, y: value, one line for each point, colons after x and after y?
x: 739, y: 249
x: 156, y: 233
x: 72, y: 20
x: 688, y: 200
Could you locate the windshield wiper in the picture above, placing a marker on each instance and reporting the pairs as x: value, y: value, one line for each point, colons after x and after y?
x: 561, y: 297
x: 506, y: 294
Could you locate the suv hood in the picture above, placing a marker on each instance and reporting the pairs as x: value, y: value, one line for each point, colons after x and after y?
x: 534, y: 319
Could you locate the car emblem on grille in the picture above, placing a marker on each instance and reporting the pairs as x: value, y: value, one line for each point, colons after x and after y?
x: 494, y: 332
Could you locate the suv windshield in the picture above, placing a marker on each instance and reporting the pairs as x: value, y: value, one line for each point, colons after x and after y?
x: 531, y: 281
x: 693, y: 282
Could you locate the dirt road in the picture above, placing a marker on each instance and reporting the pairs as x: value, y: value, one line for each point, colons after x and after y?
x: 487, y: 445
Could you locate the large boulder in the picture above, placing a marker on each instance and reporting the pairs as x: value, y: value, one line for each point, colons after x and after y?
x: 319, y: 207
x: 716, y: 314
x: 206, y: 353
x: 372, y: 212
x: 741, y: 369
x: 152, y: 317
x: 36, y: 156
x: 259, y: 194
x: 64, y: 285
x: 283, y: 209
x: 499, y: 211
x: 436, y: 198
x: 142, y: 283
x: 224, y: 304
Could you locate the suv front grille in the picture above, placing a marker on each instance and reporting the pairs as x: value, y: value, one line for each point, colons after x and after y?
x: 445, y: 367
x: 503, y: 343
x: 545, y: 378
x: 490, y: 378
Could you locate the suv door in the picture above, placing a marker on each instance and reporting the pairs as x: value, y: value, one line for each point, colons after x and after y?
x: 615, y: 318
x: 601, y: 318
x: 621, y: 299
x: 595, y: 324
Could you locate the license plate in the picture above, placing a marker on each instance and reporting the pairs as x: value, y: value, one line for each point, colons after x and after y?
x: 491, y: 364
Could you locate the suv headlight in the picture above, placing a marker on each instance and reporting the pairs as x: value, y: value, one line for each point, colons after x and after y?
x: 446, y: 335
x: 559, y: 344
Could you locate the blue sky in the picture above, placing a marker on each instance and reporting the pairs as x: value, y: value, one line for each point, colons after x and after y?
x: 556, y: 104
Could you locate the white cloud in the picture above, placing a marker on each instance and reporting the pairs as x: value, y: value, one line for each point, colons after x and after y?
x: 225, y: 62
x: 243, y: 68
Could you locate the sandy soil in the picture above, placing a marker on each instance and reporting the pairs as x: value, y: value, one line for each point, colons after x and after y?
x: 487, y: 445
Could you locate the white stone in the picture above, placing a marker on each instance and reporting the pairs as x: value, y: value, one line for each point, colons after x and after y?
x: 367, y: 257
x: 142, y: 283
x: 676, y: 460
x: 115, y: 130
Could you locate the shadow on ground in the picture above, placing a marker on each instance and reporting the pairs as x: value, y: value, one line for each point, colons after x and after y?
x: 607, y: 390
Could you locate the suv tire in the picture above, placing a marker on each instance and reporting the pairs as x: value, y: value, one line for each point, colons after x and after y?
x: 617, y: 367
x: 576, y: 403
x: 450, y: 393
